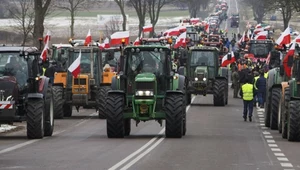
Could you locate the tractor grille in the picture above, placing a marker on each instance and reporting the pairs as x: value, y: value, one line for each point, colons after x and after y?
x: 144, y: 85
x: 200, y: 77
x: 79, y: 81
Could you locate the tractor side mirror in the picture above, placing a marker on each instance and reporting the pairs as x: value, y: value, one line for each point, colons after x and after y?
x: 290, y: 61
x: 181, y: 71
x: 281, y: 70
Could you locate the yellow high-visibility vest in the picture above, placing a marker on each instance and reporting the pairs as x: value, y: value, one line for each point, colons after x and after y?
x: 247, y: 92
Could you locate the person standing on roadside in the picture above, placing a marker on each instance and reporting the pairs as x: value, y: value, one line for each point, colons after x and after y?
x: 235, y: 82
x: 261, y: 85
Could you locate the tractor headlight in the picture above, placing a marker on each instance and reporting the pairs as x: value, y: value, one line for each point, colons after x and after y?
x: 196, y: 78
x: 144, y: 93
x: 204, y: 79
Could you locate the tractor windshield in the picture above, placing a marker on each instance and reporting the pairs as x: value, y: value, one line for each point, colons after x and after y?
x: 203, y: 58
x: 260, y: 50
x: 146, y: 61
x: 111, y: 58
x: 11, y: 64
x: 86, y: 60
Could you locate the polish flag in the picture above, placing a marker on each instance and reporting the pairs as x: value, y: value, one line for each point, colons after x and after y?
x: 268, y: 58
x: 137, y: 41
x: 182, y: 29
x: 262, y: 35
x: 44, y: 53
x: 105, y: 44
x: 258, y: 26
x: 297, y: 39
x: 47, y: 37
x: 194, y: 20
x: 257, y: 30
x: 75, y: 66
x: 243, y: 38
x: 285, y: 37
x: 268, y: 27
x: 207, y: 28
x: 180, y: 41
x: 288, y: 70
x: 88, y: 38
x: 148, y: 28
x: 116, y: 38
x: 172, y: 32
x: 225, y: 60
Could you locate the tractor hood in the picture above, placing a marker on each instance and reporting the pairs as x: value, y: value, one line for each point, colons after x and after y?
x: 201, y: 73
x: 8, y: 86
x: 145, y: 77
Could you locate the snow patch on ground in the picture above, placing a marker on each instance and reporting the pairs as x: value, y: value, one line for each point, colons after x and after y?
x: 5, y: 128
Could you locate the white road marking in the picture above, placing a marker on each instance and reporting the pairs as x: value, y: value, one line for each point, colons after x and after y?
x: 262, y: 124
x: 260, y: 116
x: 260, y: 113
x: 276, y: 149
x: 261, y: 121
x: 288, y: 165
x: 269, y: 137
x: 143, y: 148
x: 273, y: 145
x: 20, y: 145
x: 266, y: 133
x: 271, y: 141
x: 282, y: 159
x: 279, y: 154
x: 264, y: 128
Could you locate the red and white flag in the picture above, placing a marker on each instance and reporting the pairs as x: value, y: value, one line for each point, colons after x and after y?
x: 268, y: 58
x: 116, y: 38
x: 257, y: 30
x: 180, y: 41
x: 47, y: 37
x: 291, y: 52
x: 147, y: 28
x: 194, y: 20
x: 172, y: 32
x: 297, y: 39
x: 75, y: 66
x: 285, y: 37
x: 207, y: 28
x: 44, y: 53
x: 105, y: 44
x: 262, y: 35
x: 258, y: 26
x: 137, y: 41
x: 225, y: 60
x: 242, y: 38
x: 88, y: 38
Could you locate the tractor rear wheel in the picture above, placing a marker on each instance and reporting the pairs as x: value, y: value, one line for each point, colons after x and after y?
x: 101, y: 101
x: 58, y: 102
x: 284, y: 115
x: 276, y: 95
x: 293, y: 121
x: 219, y: 90
x: 49, y: 113
x: 35, y: 118
x: 114, y: 116
x: 127, y: 127
x: 184, y: 121
x: 174, y: 115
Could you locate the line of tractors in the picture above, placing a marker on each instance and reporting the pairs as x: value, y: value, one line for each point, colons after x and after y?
x: 122, y: 83
x: 282, y: 108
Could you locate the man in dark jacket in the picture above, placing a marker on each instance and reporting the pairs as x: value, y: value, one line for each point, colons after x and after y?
x: 261, y: 85
x: 247, y: 92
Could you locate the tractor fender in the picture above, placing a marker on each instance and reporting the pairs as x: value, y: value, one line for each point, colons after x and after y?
x: 58, y: 84
x: 120, y: 92
x: 223, y: 72
x: 114, y: 83
x: 271, y: 78
x: 35, y: 96
x: 168, y: 92
x: 221, y: 78
x: 181, y: 83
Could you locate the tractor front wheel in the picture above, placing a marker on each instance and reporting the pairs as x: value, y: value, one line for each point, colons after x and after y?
x: 276, y: 95
x: 114, y: 116
x: 219, y: 90
x: 293, y: 121
x: 174, y: 115
x: 101, y: 101
x: 49, y: 113
x: 58, y: 102
x: 35, y: 118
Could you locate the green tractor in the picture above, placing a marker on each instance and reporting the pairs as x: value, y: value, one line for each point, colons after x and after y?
x: 274, y: 92
x: 291, y: 118
x: 205, y: 76
x: 146, y: 89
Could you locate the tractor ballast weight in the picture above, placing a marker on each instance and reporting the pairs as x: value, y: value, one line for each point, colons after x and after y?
x: 146, y: 89
x: 205, y: 76
x: 25, y: 95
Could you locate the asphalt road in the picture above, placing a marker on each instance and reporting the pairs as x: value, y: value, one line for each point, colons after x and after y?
x: 217, y: 139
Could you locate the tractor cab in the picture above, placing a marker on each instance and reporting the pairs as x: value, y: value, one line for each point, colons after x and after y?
x: 259, y: 49
x: 235, y: 20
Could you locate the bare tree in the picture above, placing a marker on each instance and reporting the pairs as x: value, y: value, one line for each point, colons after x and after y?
x: 40, y: 10
x: 154, y: 7
x: 259, y: 8
x: 112, y: 26
x: 296, y: 4
x: 23, y: 14
x: 72, y: 6
x: 140, y: 7
x: 121, y: 4
x: 287, y: 10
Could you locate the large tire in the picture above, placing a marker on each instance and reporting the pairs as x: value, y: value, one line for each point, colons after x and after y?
x: 268, y: 110
x: 219, y: 90
x: 276, y: 95
x: 184, y: 122
x: 101, y: 101
x: 49, y: 113
x: 35, y: 118
x: 68, y: 109
x: 280, y: 113
x: 174, y: 115
x: 293, y: 132
x: 285, y: 113
x: 114, y: 116
x: 188, y: 98
x: 58, y: 102
x: 127, y: 127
